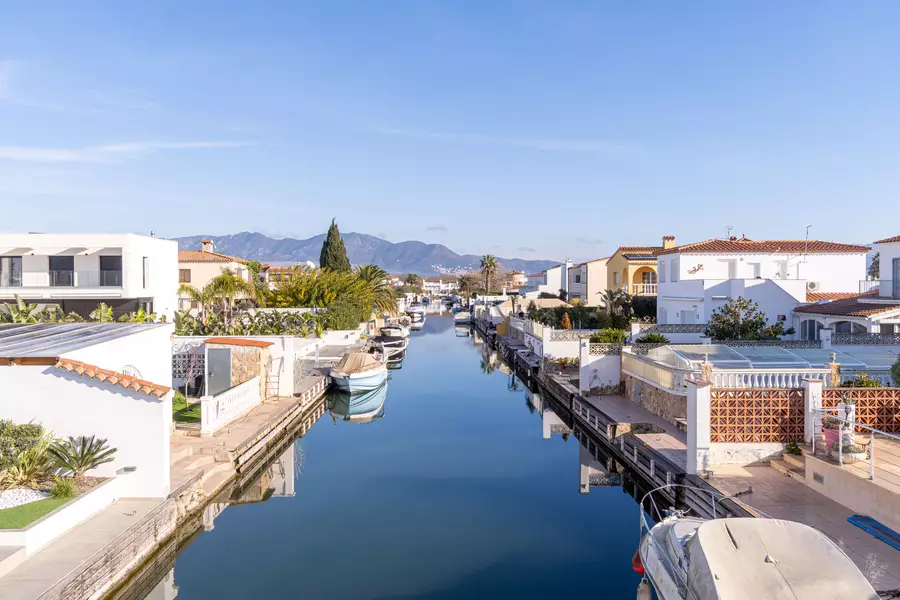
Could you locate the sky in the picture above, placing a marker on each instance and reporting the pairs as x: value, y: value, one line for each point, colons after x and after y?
x: 540, y: 130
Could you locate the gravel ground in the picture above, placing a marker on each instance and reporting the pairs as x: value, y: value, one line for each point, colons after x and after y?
x: 19, y: 496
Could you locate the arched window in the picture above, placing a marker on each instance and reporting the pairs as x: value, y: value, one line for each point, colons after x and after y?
x: 809, y: 329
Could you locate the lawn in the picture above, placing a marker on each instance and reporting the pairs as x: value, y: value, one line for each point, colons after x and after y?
x: 181, y: 413
x: 22, y: 516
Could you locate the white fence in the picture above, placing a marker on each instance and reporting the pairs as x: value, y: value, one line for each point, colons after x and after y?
x: 767, y: 378
x: 656, y: 373
x: 218, y: 411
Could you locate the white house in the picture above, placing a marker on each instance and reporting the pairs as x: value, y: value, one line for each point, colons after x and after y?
x: 198, y: 267
x: 439, y: 286
x: 110, y: 380
x: 780, y: 275
x: 876, y: 309
x: 78, y: 271
x: 548, y: 281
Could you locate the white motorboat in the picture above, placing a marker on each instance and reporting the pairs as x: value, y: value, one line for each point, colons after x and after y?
x: 394, y: 330
x: 462, y: 316
x: 359, y: 372
x: 688, y: 558
x: 387, y: 346
x: 416, y: 313
x: 359, y: 408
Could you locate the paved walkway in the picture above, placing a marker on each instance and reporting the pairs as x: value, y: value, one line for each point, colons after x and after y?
x: 42, y: 570
x: 781, y: 497
x: 665, y: 438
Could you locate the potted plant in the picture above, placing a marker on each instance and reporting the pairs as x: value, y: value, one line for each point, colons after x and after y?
x: 848, y: 451
x: 831, y: 429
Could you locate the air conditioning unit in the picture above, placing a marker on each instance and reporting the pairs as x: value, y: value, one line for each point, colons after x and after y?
x: 812, y: 286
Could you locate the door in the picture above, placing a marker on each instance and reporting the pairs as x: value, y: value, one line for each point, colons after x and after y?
x: 896, y: 291
x: 219, y: 367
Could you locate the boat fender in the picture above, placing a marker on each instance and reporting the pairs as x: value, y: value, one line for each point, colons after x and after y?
x: 644, y: 591
x: 636, y: 563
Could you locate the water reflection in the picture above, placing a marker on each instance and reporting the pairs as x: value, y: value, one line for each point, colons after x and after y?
x: 359, y: 408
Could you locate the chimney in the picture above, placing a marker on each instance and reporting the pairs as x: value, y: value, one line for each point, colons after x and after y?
x: 206, y: 245
x: 668, y: 242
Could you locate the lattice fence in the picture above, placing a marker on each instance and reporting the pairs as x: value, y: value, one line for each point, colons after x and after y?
x: 875, y: 407
x: 755, y: 416
x: 866, y: 339
x: 187, y: 365
x: 672, y: 328
x: 605, y: 349
x: 563, y: 335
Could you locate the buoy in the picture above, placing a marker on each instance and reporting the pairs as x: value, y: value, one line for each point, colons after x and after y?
x: 636, y: 563
x: 644, y: 592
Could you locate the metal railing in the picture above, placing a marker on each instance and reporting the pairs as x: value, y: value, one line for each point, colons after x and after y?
x: 888, y: 454
x: 885, y: 286
x: 64, y: 278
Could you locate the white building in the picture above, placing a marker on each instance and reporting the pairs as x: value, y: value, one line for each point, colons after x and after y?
x: 439, y: 286
x: 875, y: 309
x: 548, y: 281
x: 78, y: 271
x: 779, y: 275
x: 198, y: 267
x: 111, y: 380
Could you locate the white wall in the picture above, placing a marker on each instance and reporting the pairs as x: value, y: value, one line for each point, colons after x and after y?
x: 149, y: 351
x: 598, y: 370
x: 162, y: 286
x: 71, y: 405
x: 889, y: 252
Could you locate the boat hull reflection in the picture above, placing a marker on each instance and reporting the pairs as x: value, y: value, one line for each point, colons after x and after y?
x: 359, y: 408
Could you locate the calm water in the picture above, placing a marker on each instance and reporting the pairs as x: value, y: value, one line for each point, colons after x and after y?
x: 452, y: 493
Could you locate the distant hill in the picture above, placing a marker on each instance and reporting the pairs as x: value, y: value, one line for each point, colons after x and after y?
x: 402, y: 257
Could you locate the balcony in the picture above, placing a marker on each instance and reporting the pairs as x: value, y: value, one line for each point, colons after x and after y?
x: 643, y: 289
x: 884, y: 287
x: 63, y: 278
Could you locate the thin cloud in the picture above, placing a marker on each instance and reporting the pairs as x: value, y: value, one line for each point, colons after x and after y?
x: 546, y: 145
x: 105, y: 152
x: 591, y: 241
x: 525, y: 249
x: 437, y: 228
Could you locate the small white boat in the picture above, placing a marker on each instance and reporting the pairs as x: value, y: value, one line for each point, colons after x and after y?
x: 387, y: 346
x: 359, y: 408
x: 394, y: 330
x: 462, y: 316
x: 688, y: 558
x: 416, y: 313
x: 359, y: 372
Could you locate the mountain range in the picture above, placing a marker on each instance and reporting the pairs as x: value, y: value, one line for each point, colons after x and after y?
x: 401, y: 257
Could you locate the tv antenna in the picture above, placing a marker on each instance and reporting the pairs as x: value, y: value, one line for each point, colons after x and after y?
x: 728, y: 229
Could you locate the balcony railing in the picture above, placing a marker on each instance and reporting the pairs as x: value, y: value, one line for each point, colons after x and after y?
x: 64, y: 278
x: 886, y: 287
x: 643, y: 289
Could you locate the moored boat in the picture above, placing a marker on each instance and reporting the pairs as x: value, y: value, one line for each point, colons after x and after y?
x: 689, y: 558
x: 359, y: 372
x: 359, y: 408
x: 394, y: 330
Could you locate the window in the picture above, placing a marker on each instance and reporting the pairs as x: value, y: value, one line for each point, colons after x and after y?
x: 62, y: 271
x: 146, y: 271
x: 648, y: 277
x: 184, y: 275
x: 616, y: 278
x: 577, y: 277
x: 111, y: 271
x: 809, y: 329
x: 11, y: 271
x: 662, y: 272
x: 663, y: 316
x: 673, y: 270
x: 849, y: 327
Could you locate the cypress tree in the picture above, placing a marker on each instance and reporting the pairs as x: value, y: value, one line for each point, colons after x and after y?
x: 334, y: 254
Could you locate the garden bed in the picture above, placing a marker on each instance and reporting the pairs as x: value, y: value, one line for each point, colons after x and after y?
x: 23, y: 506
x: 25, y: 514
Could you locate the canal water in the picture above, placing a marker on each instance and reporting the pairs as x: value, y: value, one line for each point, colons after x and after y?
x: 450, y: 491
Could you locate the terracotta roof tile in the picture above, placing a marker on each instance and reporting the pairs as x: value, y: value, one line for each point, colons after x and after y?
x: 650, y: 249
x: 230, y: 341
x: 889, y: 240
x: 849, y: 307
x: 200, y: 256
x: 819, y: 296
x: 111, y: 377
x: 739, y: 246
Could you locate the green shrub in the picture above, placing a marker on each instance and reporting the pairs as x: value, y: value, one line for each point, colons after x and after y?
x: 80, y: 455
x: 652, y: 338
x: 863, y: 380
x: 609, y: 336
x: 346, y: 314
x: 63, y: 487
x: 17, y: 438
x: 793, y: 449
x: 30, y: 465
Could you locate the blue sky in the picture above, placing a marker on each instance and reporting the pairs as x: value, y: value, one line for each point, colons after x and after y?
x: 533, y: 129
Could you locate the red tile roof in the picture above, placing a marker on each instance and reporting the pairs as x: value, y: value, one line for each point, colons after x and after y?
x: 849, y: 307
x: 739, y: 246
x: 200, y: 256
x: 819, y: 296
x: 639, y: 249
x: 889, y: 240
x: 229, y: 341
x: 111, y: 377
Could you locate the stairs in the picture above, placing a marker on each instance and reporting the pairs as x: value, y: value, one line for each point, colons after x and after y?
x: 792, y: 466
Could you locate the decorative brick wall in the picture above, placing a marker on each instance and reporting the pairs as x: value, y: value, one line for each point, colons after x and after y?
x: 875, y: 407
x: 755, y: 415
x: 660, y: 402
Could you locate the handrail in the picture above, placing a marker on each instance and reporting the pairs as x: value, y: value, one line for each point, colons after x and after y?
x: 853, y: 425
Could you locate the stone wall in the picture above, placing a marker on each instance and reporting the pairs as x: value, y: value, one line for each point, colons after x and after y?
x: 244, y: 364
x: 660, y: 402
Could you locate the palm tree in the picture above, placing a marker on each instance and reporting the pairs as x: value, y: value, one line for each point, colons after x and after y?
x: 379, y: 287
x: 228, y: 286
x: 489, y: 267
x: 466, y: 284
